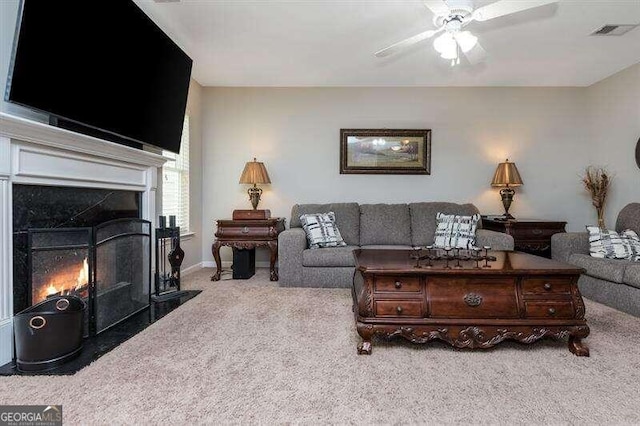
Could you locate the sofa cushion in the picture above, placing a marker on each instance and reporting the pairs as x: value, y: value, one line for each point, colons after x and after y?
x: 423, y: 219
x: 456, y: 231
x: 321, y: 230
x: 385, y: 224
x: 629, y: 218
x: 386, y: 247
x: 347, y: 218
x: 329, y: 257
x: 632, y: 275
x: 607, y: 269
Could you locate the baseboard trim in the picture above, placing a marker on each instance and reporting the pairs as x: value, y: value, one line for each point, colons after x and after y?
x: 228, y: 263
x: 191, y: 269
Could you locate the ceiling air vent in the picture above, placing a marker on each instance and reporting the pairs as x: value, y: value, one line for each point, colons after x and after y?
x: 613, y: 30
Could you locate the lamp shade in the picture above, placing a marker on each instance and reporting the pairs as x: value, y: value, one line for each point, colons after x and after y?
x: 254, y: 172
x: 506, y: 175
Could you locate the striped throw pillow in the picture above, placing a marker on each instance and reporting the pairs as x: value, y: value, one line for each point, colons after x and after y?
x: 634, y: 243
x: 456, y: 231
x: 607, y: 244
x: 321, y: 230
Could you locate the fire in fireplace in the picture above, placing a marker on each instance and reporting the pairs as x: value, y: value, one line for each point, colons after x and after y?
x: 72, y: 281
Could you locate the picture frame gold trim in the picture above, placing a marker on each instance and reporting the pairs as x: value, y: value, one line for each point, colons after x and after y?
x: 385, y: 151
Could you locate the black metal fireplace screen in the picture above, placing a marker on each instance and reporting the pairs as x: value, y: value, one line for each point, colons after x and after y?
x: 108, y: 266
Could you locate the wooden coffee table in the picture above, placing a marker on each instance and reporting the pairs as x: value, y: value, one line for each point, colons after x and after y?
x: 517, y: 297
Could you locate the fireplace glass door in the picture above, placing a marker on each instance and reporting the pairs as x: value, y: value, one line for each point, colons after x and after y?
x: 60, y: 262
x: 123, y: 270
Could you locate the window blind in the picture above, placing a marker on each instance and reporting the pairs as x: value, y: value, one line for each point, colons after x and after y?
x: 175, y: 182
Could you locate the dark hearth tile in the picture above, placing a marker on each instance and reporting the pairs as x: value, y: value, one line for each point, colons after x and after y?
x: 97, y: 346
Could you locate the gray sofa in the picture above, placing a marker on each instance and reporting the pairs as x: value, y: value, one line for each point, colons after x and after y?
x: 615, y: 283
x: 397, y: 226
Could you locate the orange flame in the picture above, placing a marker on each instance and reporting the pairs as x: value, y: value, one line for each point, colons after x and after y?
x: 65, y: 282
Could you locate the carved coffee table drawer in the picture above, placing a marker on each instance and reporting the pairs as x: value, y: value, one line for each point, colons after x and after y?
x: 537, y: 286
x: 473, y: 298
x: 399, y: 308
x: 386, y: 283
x: 549, y: 310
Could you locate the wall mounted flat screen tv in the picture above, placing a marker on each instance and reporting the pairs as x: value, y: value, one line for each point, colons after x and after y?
x: 101, y: 64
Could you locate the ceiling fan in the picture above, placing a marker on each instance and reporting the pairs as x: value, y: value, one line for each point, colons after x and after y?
x: 450, y: 18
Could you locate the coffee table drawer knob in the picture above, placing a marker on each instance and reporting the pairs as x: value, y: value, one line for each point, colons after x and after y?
x: 552, y: 311
x: 398, y: 284
x: 399, y: 309
x: 547, y: 286
x: 472, y: 299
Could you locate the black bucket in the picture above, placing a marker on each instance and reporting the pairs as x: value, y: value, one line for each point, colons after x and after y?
x: 50, y: 333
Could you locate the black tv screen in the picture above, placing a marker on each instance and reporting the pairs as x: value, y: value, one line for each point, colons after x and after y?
x: 102, y: 64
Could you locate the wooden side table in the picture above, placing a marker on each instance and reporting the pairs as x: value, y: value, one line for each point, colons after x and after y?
x: 530, y: 235
x: 248, y: 234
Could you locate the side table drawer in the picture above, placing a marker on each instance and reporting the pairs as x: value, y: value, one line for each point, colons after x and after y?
x: 549, y: 310
x: 399, y: 308
x: 389, y: 283
x: 245, y: 232
x: 534, y: 233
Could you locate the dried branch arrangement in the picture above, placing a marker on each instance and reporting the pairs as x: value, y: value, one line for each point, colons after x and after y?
x: 597, y: 181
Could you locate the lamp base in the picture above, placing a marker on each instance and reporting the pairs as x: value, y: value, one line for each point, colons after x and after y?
x: 507, y: 197
x: 254, y: 195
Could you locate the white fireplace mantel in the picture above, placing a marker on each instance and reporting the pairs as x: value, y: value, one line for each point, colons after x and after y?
x: 39, y: 154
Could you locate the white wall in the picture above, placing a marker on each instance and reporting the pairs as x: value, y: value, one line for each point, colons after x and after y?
x: 295, y: 131
x: 614, y: 129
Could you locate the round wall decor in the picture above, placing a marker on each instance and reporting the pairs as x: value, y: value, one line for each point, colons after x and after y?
x: 638, y: 153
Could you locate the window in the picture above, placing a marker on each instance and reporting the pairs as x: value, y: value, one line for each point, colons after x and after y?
x: 175, y: 182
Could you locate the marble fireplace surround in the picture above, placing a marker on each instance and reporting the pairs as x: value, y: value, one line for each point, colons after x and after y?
x: 35, y: 153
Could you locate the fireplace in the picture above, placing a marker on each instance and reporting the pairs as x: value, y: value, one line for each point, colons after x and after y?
x: 108, y: 266
x: 55, y: 178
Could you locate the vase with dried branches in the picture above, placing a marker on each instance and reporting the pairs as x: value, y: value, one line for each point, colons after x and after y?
x: 597, y: 181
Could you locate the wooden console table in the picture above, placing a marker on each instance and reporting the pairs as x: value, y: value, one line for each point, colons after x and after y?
x: 530, y: 235
x: 248, y: 234
x: 517, y: 296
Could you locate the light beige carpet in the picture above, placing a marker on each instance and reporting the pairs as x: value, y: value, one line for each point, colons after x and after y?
x: 251, y: 352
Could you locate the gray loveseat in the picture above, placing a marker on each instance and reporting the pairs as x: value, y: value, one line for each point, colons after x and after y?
x: 615, y: 283
x: 371, y: 226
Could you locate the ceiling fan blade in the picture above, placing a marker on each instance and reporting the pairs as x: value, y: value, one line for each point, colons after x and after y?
x: 406, y: 42
x: 507, y: 7
x: 437, y: 7
x: 476, y: 55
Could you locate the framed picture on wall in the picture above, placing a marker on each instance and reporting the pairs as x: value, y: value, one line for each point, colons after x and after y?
x: 385, y: 151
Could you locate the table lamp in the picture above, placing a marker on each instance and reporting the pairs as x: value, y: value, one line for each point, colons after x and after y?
x: 506, y: 176
x: 254, y: 172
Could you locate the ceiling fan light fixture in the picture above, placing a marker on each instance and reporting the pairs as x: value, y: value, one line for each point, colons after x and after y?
x: 449, y: 55
x: 445, y: 44
x: 466, y: 40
